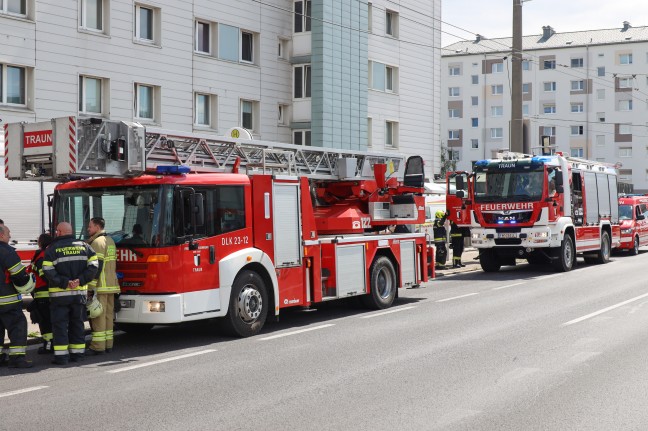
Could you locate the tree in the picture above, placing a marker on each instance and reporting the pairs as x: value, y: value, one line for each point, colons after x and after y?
x: 448, y: 164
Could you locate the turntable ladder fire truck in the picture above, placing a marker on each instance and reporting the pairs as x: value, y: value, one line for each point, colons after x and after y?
x: 546, y: 209
x: 234, y: 229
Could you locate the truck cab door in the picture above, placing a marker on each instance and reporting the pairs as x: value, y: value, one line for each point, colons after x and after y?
x: 459, y: 191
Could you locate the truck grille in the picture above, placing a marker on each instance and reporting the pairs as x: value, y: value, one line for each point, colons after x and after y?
x: 507, y: 217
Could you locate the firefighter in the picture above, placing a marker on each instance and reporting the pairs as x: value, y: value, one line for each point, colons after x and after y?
x: 440, y: 238
x: 69, y: 265
x: 105, y: 286
x: 457, y: 235
x: 41, y: 305
x: 15, y: 282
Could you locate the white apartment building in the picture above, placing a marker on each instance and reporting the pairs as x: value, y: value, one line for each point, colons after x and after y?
x: 347, y: 74
x: 587, y: 90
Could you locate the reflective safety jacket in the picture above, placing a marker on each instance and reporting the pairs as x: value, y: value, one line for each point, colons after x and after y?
x: 42, y: 286
x: 104, y: 246
x: 68, y: 258
x: 440, y: 232
x: 12, y: 272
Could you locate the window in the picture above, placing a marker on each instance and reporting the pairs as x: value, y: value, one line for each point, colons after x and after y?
x: 454, y: 113
x: 625, y: 58
x: 475, y: 79
x: 391, y: 23
x: 497, y: 111
x: 625, y: 129
x: 302, y: 16
x: 302, y: 137
x: 145, y: 102
x: 146, y: 23
x: 474, y: 144
x: 576, y: 62
x: 92, y: 14
x: 625, y: 82
x: 497, y: 68
x: 600, y: 94
x: 601, y: 116
x: 625, y: 105
x: 497, y: 133
x: 576, y: 130
x: 13, y: 85
x: 370, y: 17
x: 248, y: 117
x: 625, y: 175
x: 578, y: 85
x: 453, y: 135
x: 600, y: 71
x: 625, y: 152
x: 203, y: 37
x: 549, y: 64
x: 525, y: 109
x: 391, y: 134
x: 205, y: 110
x: 474, y: 122
x: 247, y: 47
x: 389, y: 79
x: 454, y: 91
x: 526, y: 65
x: 454, y: 155
x: 549, y: 131
x: 577, y: 152
x: 550, y: 86
x: 577, y: 107
x: 302, y: 82
x: 369, y: 132
x: 526, y: 88
x: 235, y: 44
x: 282, y: 115
x: 474, y: 100
x: 454, y: 71
x: 549, y: 108
x: 90, y: 95
x: 14, y: 7
x: 497, y: 89
x: 383, y: 77
x: 282, y: 48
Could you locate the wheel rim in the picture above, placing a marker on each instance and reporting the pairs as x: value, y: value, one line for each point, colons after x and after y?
x: 250, y: 303
x: 605, y: 248
x: 384, y: 283
x: 568, y: 253
x: 636, y: 246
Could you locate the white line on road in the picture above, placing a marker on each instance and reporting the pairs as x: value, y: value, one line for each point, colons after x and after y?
x: 457, y: 297
x: 395, y: 310
x: 508, y: 285
x: 272, y: 337
x: 160, y: 361
x: 612, y: 307
x: 22, y: 391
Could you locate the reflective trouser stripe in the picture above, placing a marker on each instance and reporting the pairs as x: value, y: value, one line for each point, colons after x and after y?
x: 61, y: 350
x: 456, y: 258
x: 77, y: 348
x: 48, y: 336
x: 57, y: 294
x: 17, y: 350
x: 99, y: 336
x: 11, y: 299
x: 109, y: 335
x: 439, y: 239
x: 41, y: 294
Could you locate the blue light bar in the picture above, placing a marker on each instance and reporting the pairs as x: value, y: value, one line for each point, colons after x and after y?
x: 172, y: 169
x: 481, y: 163
x: 537, y: 159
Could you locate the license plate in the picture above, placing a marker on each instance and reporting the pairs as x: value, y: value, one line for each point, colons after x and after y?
x: 508, y: 235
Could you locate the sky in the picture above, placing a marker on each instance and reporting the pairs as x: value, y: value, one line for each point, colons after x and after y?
x: 493, y: 18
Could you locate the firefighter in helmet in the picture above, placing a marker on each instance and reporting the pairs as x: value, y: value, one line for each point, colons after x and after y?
x: 40, y: 306
x: 440, y: 238
x: 457, y: 235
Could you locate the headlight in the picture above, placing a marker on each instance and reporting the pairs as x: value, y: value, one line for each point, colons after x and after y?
x: 156, y: 306
x: 626, y: 231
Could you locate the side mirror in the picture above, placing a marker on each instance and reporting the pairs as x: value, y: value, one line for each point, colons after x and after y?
x: 641, y: 217
x: 460, y: 183
x: 460, y: 193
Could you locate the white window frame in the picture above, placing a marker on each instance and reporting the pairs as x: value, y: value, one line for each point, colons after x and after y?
x: 453, y: 113
x: 525, y: 109
x: 474, y: 79
x: 549, y: 131
x: 549, y: 108
x: 625, y: 129
x: 391, y: 23
x: 577, y: 107
x: 391, y: 134
x: 303, y: 71
x: 154, y: 102
x: 254, y: 105
x: 197, y: 41
x: 600, y: 71
x: 577, y: 130
x: 497, y: 133
x: 625, y: 152
x: 474, y: 144
x: 577, y: 85
x: 526, y: 65
x: 388, y: 75
x: 24, y: 3
x: 83, y: 80
x: 454, y: 70
x: 303, y: 17
x: 580, y: 152
x: 474, y: 100
x: 453, y: 134
x: 625, y: 105
x: 526, y: 85
x: 625, y: 59
x: 212, y: 114
x: 497, y: 89
x: 305, y: 136
x: 454, y: 155
x: 497, y: 111
x: 625, y: 82
x: 283, y: 113
x: 549, y: 64
x: 4, y: 82
x: 579, y: 62
x: 101, y: 7
x: 253, y: 40
x: 155, y: 25
x: 454, y: 91
x: 551, y: 85
x: 497, y: 68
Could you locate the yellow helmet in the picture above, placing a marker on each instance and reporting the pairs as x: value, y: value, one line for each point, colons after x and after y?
x: 94, y: 307
x: 439, y: 214
x: 28, y: 287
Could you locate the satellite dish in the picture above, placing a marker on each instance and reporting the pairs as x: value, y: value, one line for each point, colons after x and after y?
x: 238, y: 133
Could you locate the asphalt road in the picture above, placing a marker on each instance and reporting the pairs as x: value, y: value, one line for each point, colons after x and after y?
x: 522, y: 349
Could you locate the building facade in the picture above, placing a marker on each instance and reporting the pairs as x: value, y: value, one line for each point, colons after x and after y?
x: 347, y: 74
x: 587, y: 91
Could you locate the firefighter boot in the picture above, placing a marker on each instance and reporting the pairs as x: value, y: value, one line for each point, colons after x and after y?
x: 3, y: 359
x: 19, y: 361
x: 461, y: 264
x: 46, y: 348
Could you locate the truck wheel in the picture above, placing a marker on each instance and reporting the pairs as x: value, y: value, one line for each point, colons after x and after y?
x: 488, y: 261
x: 133, y: 328
x: 382, y: 284
x: 635, y: 248
x: 248, y: 307
x: 566, y: 256
x: 603, y: 256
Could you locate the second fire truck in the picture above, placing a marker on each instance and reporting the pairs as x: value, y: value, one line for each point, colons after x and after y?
x: 545, y: 209
x: 225, y: 228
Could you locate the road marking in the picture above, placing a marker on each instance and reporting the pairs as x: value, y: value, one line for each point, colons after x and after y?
x: 22, y: 391
x: 612, y: 307
x: 314, y: 328
x: 508, y: 285
x: 160, y: 361
x: 457, y: 297
x: 395, y: 310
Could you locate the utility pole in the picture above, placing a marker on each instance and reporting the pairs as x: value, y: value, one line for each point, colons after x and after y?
x: 516, y: 142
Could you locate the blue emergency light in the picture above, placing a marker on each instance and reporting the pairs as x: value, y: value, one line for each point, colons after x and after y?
x: 172, y: 169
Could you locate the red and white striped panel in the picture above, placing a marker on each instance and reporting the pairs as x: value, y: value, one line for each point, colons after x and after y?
x: 6, y: 144
x: 72, y: 144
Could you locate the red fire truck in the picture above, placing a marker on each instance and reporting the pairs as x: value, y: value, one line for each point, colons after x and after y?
x: 225, y: 228
x: 546, y: 209
x: 633, y: 211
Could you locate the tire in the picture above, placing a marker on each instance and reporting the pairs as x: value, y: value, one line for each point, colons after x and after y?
x: 603, y: 256
x: 566, y: 255
x: 488, y: 261
x: 383, y: 284
x: 635, y: 247
x: 248, y: 307
x: 134, y: 328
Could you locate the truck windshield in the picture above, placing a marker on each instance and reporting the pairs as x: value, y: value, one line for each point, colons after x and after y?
x: 508, y: 186
x: 625, y: 212
x: 135, y: 216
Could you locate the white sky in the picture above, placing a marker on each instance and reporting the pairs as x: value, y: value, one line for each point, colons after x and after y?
x: 493, y: 18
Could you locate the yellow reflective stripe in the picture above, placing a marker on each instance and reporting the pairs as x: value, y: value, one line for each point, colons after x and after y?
x: 48, y: 337
x: 41, y: 294
x: 16, y: 268
x: 60, y: 348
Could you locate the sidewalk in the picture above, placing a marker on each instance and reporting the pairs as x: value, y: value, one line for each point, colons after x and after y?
x: 468, y: 258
